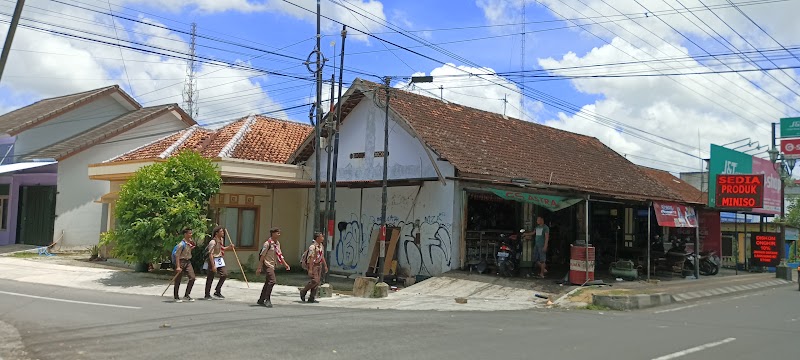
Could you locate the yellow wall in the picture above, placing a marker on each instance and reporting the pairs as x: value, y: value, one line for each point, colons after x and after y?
x: 283, y: 208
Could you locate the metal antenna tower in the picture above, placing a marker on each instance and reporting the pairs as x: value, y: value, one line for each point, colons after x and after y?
x: 190, y: 90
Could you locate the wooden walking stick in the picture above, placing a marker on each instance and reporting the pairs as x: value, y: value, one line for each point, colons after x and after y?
x: 171, y: 281
x: 237, y: 258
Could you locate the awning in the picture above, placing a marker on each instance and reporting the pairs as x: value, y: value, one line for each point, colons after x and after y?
x: 549, y: 202
x: 10, y: 168
x: 675, y: 215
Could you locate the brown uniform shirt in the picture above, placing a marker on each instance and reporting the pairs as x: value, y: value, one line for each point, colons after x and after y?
x: 315, y: 254
x: 184, y: 251
x: 273, y: 256
x: 214, y: 248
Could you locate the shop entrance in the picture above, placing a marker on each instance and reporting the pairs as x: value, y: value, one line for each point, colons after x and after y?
x: 495, y: 217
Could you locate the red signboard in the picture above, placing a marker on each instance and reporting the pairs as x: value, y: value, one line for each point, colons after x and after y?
x: 790, y: 147
x: 740, y: 191
x: 674, y: 215
x: 764, y: 248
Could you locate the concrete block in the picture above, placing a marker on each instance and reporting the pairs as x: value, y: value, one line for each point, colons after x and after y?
x: 364, y: 286
x: 410, y: 281
x: 381, y: 290
x: 325, y: 291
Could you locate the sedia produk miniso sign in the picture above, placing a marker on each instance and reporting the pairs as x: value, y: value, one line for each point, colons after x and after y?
x: 740, y: 191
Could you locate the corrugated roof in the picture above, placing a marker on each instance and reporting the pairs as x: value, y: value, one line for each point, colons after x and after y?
x: 103, y: 132
x: 29, y: 116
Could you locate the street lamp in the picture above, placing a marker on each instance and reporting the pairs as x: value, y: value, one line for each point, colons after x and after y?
x: 786, y: 167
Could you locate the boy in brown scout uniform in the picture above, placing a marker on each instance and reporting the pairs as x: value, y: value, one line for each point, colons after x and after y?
x: 316, y: 263
x: 215, y: 262
x: 271, y: 256
x: 183, y: 257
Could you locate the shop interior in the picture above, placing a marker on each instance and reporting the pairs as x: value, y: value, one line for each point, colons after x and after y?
x: 619, y: 234
x: 493, y: 221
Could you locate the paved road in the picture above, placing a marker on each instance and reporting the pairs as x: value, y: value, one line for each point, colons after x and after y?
x: 63, y: 323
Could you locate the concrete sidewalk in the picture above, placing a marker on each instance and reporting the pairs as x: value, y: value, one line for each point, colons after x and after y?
x: 433, y: 294
x: 641, y: 295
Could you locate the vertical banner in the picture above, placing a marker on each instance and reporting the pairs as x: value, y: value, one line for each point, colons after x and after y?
x: 710, y: 231
x: 764, y: 249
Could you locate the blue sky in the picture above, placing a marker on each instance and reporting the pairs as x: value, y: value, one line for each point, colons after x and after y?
x: 655, y: 121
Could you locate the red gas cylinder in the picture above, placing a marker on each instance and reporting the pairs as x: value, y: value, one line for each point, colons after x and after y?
x: 579, y: 258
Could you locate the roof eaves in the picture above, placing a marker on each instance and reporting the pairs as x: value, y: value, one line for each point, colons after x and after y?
x: 125, y: 127
x: 56, y: 112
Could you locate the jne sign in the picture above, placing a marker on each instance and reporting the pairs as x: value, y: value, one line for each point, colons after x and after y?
x: 740, y: 191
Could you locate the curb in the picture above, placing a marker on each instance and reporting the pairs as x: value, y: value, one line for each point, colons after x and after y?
x: 643, y: 301
x: 682, y: 297
x: 631, y: 302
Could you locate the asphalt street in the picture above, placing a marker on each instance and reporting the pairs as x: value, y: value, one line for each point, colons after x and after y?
x: 63, y: 323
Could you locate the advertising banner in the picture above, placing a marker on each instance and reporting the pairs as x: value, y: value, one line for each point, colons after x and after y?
x: 764, y: 249
x: 727, y: 161
x: 674, y: 215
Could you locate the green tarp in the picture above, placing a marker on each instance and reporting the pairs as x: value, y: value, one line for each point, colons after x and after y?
x: 549, y: 202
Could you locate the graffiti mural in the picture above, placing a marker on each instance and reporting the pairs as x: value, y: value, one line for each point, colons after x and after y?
x: 424, y: 248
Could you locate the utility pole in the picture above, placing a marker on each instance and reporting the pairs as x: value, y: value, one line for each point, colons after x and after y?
x: 318, y: 124
x: 332, y: 184
x: 190, y: 90
x: 382, y: 257
x: 10, y: 35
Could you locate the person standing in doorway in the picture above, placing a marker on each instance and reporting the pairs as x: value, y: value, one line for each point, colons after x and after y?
x: 215, y: 263
x: 183, y: 264
x: 540, y: 241
x: 316, y: 264
x: 271, y: 256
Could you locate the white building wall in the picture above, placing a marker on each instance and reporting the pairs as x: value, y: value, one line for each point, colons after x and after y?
x: 363, y: 132
x: 68, y: 125
x: 77, y: 213
x: 425, y: 214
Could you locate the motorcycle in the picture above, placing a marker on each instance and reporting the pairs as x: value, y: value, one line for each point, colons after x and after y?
x: 507, y: 256
x: 709, y: 263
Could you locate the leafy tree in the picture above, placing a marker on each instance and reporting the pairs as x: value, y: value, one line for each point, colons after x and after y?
x: 158, y: 202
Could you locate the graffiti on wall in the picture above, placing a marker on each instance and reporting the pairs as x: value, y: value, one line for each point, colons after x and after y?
x: 424, y: 247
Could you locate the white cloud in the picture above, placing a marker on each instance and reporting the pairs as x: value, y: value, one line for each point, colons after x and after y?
x: 485, y: 92
x: 361, y: 14
x: 688, y: 109
x: 45, y: 65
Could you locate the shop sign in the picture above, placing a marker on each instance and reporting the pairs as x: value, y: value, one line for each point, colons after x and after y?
x: 764, y: 249
x: 727, y: 161
x: 550, y: 202
x: 740, y: 191
x: 675, y: 215
x: 790, y: 148
x: 790, y: 127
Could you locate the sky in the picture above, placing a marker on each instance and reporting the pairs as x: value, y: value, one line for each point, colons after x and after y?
x: 658, y: 81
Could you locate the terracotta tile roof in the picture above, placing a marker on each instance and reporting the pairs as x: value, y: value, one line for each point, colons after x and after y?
x: 109, y: 129
x: 685, y: 192
x: 14, y: 122
x: 486, y: 145
x: 258, y: 138
x: 271, y: 140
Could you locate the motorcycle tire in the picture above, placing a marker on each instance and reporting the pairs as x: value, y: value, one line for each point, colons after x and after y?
x: 714, y: 269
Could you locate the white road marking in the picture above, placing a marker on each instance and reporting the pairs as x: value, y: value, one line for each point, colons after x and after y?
x: 675, y: 309
x: 70, y: 301
x: 694, y: 349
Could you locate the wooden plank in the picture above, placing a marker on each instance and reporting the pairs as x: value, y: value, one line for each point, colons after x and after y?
x: 394, y: 237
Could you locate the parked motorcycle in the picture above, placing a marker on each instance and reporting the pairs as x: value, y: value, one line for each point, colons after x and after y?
x: 709, y: 263
x: 508, y: 256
